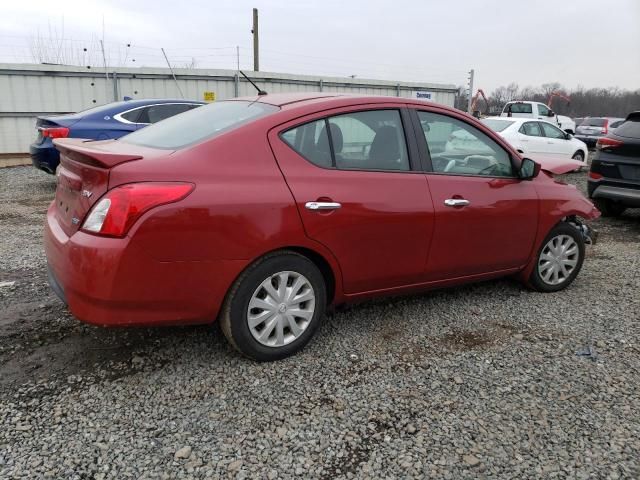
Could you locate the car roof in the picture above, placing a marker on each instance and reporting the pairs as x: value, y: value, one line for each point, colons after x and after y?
x: 331, y: 100
x: 150, y: 101
x: 124, y: 105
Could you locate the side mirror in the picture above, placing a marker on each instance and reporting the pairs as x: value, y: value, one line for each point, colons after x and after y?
x: 528, y: 169
x: 550, y: 113
x: 568, y: 136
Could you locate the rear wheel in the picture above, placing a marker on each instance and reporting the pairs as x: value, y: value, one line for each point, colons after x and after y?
x: 559, y: 259
x: 609, y: 208
x: 274, y: 307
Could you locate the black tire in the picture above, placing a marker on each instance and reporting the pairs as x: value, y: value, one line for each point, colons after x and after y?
x: 235, y: 311
x: 536, y: 281
x: 609, y: 208
x: 578, y: 156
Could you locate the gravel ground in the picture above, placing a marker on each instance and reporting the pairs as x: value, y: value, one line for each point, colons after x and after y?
x: 473, y: 382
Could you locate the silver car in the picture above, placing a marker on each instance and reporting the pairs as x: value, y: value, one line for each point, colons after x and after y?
x: 592, y: 128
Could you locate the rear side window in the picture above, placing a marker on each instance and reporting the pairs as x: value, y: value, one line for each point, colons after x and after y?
x: 497, y: 125
x: 132, y: 116
x: 616, y: 124
x: 518, y: 108
x: 312, y: 142
x: 199, y: 124
x: 370, y: 140
x: 630, y: 128
x: 155, y: 113
x: 531, y: 129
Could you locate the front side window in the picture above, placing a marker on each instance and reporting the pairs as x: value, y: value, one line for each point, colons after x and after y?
x: 370, y: 140
x: 543, y: 111
x: 458, y: 148
x: 552, y: 132
x: 531, y: 129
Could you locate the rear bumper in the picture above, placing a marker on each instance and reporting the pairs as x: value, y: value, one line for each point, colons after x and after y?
x: 113, y: 282
x: 44, y: 156
x: 588, y: 139
x: 626, y: 196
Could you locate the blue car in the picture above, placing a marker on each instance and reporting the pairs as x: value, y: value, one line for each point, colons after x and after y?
x: 100, y: 123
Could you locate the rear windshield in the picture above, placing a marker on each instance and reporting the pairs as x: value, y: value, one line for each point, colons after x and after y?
x: 198, y: 124
x: 630, y: 128
x: 518, y: 108
x: 497, y: 125
x: 593, y: 122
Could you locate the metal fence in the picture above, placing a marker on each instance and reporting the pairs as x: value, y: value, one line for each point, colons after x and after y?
x: 30, y: 90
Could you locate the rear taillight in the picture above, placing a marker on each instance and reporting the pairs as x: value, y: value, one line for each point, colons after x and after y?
x: 119, y: 209
x: 55, y: 132
x: 605, y: 143
x: 595, y: 176
x: 605, y: 128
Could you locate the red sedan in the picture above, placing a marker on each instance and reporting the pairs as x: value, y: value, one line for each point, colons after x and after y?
x: 263, y: 212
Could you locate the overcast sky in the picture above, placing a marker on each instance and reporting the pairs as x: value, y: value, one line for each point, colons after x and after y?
x: 594, y: 43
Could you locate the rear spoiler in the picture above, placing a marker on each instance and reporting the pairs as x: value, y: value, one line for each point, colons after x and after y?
x: 93, y: 153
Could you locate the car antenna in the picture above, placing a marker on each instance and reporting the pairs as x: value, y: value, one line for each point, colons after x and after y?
x: 260, y: 91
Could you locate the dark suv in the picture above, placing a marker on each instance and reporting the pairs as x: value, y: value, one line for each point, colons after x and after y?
x: 614, y: 178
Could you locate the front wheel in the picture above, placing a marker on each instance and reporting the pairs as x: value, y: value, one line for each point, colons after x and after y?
x: 559, y: 260
x: 579, y: 156
x: 274, y: 307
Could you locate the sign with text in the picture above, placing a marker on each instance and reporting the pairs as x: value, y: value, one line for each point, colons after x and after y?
x: 422, y: 95
x: 209, y: 96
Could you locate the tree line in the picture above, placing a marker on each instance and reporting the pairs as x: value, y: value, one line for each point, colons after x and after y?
x: 592, y: 102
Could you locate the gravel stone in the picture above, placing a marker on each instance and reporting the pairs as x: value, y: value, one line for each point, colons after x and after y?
x: 183, y: 453
x: 480, y: 381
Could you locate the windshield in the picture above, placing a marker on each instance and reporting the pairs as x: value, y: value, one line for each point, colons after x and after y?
x: 497, y: 125
x: 196, y: 125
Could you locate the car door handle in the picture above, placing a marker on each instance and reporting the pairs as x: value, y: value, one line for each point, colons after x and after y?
x: 456, y: 202
x: 322, y: 205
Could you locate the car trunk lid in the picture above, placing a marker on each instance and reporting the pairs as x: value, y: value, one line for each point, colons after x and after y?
x: 53, y: 121
x: 83, y: 176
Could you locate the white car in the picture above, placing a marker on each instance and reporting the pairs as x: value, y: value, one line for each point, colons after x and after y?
x: 538, y: 137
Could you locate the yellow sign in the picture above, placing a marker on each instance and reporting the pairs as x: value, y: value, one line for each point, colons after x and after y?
x: 209, y: 96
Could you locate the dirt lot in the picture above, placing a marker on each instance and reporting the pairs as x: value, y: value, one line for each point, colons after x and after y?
x: 488, y: 380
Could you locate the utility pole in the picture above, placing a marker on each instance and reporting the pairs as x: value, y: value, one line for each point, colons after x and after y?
x: 256, y: 52
x: 470, y: 94
x: 104, y: 63
x: 238, y: 57
x: 172, y: 74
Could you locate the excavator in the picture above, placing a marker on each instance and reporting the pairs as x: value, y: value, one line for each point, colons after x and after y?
x: 553, y: 95
x: 474, y: 103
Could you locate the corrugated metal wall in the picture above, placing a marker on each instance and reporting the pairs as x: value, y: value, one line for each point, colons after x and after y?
x: 27, y: 91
